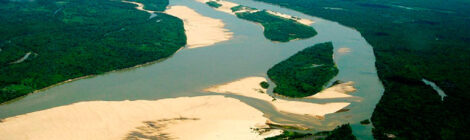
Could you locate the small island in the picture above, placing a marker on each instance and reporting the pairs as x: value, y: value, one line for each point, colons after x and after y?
x: 213, y: 4
x: 277, y: 27
x: 305, y: 73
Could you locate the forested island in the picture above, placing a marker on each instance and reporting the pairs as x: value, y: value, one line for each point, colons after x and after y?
x: 277, y: 28
x: 75, y: 38
x: 412, y: 40
x: 213, y: 4
x: 306, y: 72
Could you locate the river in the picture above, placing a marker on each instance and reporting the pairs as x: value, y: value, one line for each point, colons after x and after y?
x: 249, y: 53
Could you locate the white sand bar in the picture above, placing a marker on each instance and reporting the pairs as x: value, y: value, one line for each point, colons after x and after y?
x: 344, y: 50
x: 226, y: 7
x: 300, y: 20
x: 200, y: 30
x: 336, y: 91
x: 203, y: 117
x: 250, y: 87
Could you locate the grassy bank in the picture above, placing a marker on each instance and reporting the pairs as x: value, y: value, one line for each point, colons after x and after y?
x: 74, y: 38
x: 304, y: 73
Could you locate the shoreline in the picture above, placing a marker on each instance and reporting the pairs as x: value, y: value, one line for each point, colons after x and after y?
x: 200, y: 30
x: 249, y: 87
x: 229, y: 118
x: 92, y: 75
x: 227, y: 5
x: 342, y: 90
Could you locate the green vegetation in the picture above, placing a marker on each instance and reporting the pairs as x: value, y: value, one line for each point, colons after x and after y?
x: 412, y: 40
x: 304, y: 73
x: 343, y: 132
x: 74, y: 38
x: 213, y: 4
x: 241, y: 7
x: 153, y: 5
x: 264, y: 84
x: 365, y: 122
x: 277, y: 28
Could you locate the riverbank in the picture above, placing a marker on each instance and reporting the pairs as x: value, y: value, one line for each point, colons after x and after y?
x: 166, y: 118
x: 341, y: 90
x: 250, y: 87
x: 201, y: 31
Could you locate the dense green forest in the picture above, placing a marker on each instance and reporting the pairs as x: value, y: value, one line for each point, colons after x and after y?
x: 277, y: 28
x: 412, y: 40
x: 74, y: 38
x: 153, y: 5
x: 342, y: 132
x: 306, y: 72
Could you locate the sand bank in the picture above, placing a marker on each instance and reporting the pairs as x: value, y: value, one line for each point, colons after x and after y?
x: 200, y: 31
x: 344, y: 50
x: 203, y: 117
x: 300, y: 20
x: 336, y: 91
x: 250, y: 87
x: 226, y: 7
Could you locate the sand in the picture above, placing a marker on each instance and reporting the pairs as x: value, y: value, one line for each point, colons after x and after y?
x: 226, y: 5
x: 344, y: 50
x: 299, y: 20
x: 250, y: 87
x: 203, y: 117
x: 201, y: 31
x: 336, y: 91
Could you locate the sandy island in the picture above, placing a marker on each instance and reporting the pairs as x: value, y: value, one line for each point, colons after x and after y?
x: 200, y: 30
x: 300, y: 20
x: 226, y: 7
x: 250, y: 87
x: 203, y: 117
